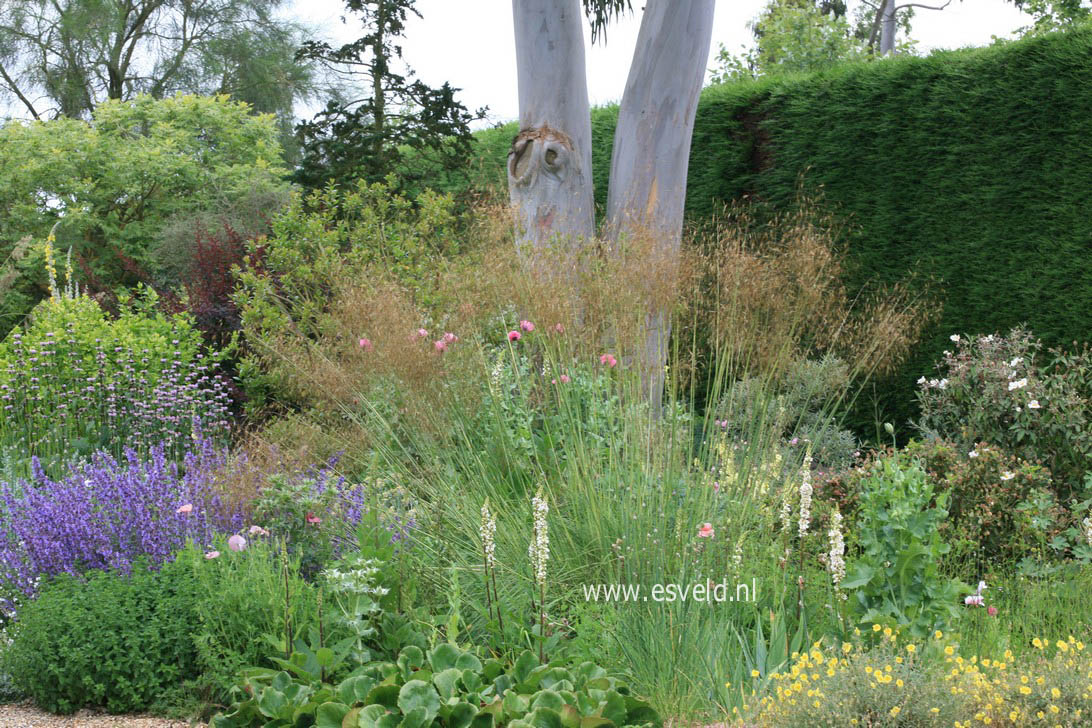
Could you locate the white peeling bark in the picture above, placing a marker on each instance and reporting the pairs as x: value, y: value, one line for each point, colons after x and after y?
x: 652, y: 148
x: 549, y: 164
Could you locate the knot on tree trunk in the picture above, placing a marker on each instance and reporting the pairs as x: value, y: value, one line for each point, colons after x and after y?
x: 537, y: 151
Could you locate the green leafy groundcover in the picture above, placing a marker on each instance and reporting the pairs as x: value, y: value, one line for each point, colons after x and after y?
x: 444, y: 687
x: 973, y: 167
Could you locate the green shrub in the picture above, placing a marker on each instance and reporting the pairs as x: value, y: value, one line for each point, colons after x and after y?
x: 122, y: 177
x: 896, y: 577
x: 1002, y: 390
x: 119, y: 642
x: 241, y: 601
x: 985, y: 487
x: 798, y: 409
x: 320, y: 242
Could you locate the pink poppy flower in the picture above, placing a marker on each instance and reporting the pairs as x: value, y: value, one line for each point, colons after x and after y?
x: 608, y: 359
x: 991, y: 610
x: 211, y: 554
x: 559, y: 328
x: 441, y: 345
x: 527, y: 326
x: 188, y: 508
x: 365, y: 344
x: 975, y: 600
x: 450, y: 338
x: 312, y: 518
x: 706, y: 530
x: 258, y: 531
x: 514, y: 335
x: 236, y: 543
x: 565, y: 379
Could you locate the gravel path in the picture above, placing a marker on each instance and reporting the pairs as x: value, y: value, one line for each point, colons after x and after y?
x: 25, y: 715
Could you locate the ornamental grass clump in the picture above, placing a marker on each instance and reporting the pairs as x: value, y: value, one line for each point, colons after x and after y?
x: 110, y: 512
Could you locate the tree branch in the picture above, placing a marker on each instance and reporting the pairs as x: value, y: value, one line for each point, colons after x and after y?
x: 15, y: 90
x: 919, y: 5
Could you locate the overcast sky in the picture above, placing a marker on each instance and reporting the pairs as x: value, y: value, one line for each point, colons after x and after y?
x: 470, y: 44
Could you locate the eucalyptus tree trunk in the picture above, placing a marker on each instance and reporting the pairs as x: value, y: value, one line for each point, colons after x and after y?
x: 652, y: 153
x: 549, y: 164
x: 887, y: 27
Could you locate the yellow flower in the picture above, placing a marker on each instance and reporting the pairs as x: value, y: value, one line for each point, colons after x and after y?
x: 910, y: 648
x: 938, y: 634
x: 876, y: 628
x: 1063, y: 646
x: 846, y: 647
x: 895, y: 711
x: 1037, y: 642
x: 949, y: 650
x: 1055, y: 693
x: 754, y: 673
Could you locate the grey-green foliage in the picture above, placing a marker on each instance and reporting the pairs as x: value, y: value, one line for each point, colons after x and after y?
x: 446, y: 686
x: 798, y: 409
x: 65, y: 57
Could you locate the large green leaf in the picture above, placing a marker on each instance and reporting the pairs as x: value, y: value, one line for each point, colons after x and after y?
x: 419, y: 694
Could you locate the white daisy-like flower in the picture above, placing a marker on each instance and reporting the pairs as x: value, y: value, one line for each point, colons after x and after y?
x: 1008, y: 475
x: 1033, y: 404
x: 922, y: 380
x: 954, y: 337
x: 972, y: 454
x: 1015, y: 362
x: 942, y: 384
x: 1018, y: 384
